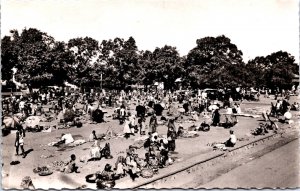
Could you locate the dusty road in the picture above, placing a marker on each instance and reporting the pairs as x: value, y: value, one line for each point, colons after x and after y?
x: 277, y: 169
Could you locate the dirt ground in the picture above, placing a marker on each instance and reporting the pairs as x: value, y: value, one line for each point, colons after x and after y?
x: 265, y: 172
x: 37, y: 144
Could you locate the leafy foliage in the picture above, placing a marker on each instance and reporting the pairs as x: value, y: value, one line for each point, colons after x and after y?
x: 214, y: 62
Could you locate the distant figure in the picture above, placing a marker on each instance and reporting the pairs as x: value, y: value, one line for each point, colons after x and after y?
x: 153, y: 124
x: 216, y: 117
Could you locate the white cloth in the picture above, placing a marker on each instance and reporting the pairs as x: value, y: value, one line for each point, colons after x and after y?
x: 21, y: 139
x: 21, y: 104
x: 233, y: 139
x: 122, y: 112
x: 229, y: 110
x: 95, y: 152
x: 126, y: 127
x: 43, y: 96
x: 238, y: 110
x: 68, y: 138
x: 120, y: 168
x: 287, y: 115
x: 132, y: 120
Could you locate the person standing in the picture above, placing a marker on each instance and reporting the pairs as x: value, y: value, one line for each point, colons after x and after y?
x: 126, y: 129
x: 142, y: 125
x: 171, y: 135
x: 19, y: 142
x: 153, y: 124
x: 230, y: 101
x: 216, y: 117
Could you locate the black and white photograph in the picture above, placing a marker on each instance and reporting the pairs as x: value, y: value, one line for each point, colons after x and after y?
x: 150, y: 94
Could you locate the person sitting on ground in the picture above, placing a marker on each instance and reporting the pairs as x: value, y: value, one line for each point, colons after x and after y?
x: 120, y: 164
x: 287, y: 117
x: 65, y: 139
x: 232, y: 140
x: 93, y: 136
x: 164, y: 152
x: 105, y: 152
x: 107, y: 173
x: 180, y: 131
x: 131, y: 165
x: 238, y: 109
x: 71, y: 165
x: 295, y: 106
x: 95, y: 151
x: 261, y: 130
x: 154, y: 141
x: 203, y: 127
x: 265, y: 115
x: 152, y: 160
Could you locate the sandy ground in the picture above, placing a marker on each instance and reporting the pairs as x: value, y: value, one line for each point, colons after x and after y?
x: 37, y: 142
x: 276, y: 169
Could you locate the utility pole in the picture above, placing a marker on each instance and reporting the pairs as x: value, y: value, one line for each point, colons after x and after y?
x: 101, y: 81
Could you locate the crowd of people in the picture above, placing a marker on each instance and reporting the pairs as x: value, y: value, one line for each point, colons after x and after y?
x: 149, y: 105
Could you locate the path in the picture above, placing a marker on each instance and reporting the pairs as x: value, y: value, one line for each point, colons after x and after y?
x: 277, y: 169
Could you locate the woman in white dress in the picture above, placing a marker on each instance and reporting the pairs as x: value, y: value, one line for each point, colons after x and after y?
x: 126, y: 129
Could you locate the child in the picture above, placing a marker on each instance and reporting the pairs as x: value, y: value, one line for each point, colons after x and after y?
x: 20, y: 142
x: 71, y: 166
x: 120, y: 171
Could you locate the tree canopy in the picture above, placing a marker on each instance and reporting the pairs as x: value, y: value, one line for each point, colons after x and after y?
x: 214, y: 62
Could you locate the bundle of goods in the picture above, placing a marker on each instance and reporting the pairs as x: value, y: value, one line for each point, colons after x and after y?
x: 27, y: 183
x: 147, y: 173
x: 69, y: 115
x: 97, y: 116
x: 104, y: 184
x: 58, y: 165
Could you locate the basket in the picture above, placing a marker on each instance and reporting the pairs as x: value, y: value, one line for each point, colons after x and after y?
x: 45, y: 173
x: 147, y: 173
x: 91, y: 178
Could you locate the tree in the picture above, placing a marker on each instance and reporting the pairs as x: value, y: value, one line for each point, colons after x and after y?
x: 282, y: 70
x: 9, y: 54
x: 62, y: 60
x: 121, y: 60
x: 274, y: 70
x: 210, y: 58
x: 28, y: 52
x: 85, y: 52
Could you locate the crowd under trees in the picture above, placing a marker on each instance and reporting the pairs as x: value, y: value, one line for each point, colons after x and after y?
x: 214, y: 62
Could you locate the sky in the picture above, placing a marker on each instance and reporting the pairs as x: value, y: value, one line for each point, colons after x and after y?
x: 257, y: 27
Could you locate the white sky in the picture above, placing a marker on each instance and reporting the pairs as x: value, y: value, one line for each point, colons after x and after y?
x: 257, y: 27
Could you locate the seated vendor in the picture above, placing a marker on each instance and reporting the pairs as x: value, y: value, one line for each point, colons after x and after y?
x: 65, y: 139
x: 232, y: 140
x: 107, y: 173
x: 93, y: 136
x: 95, y: 150
x: 71, y: 165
